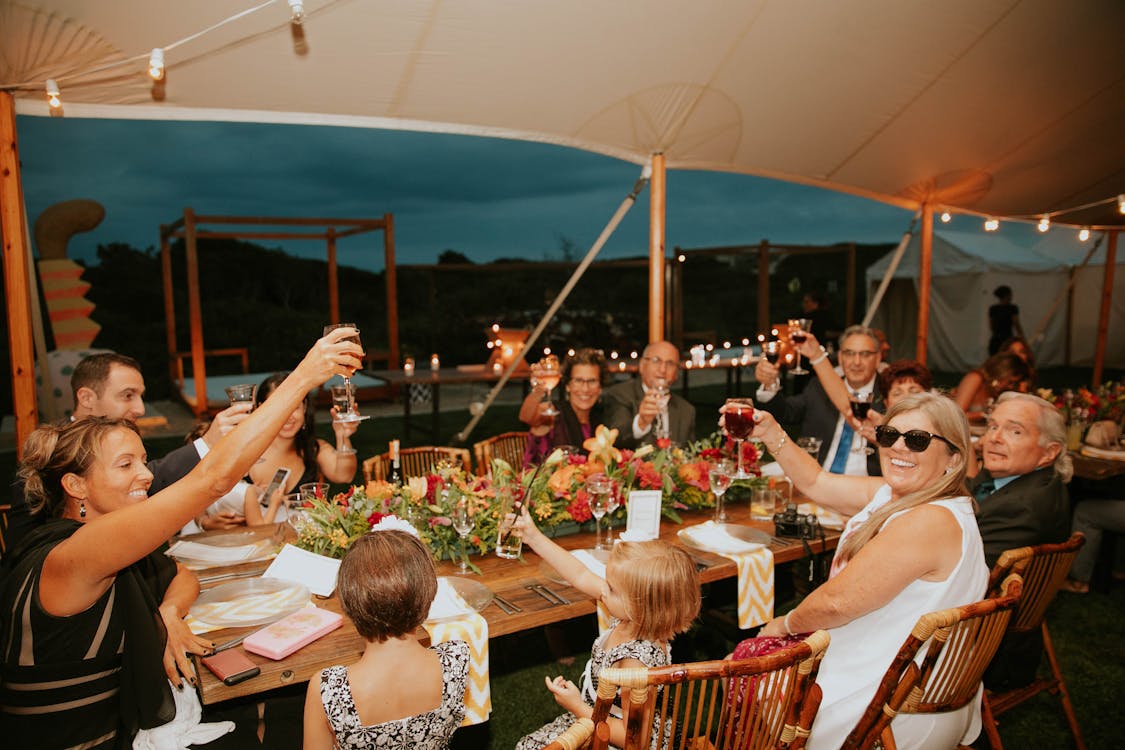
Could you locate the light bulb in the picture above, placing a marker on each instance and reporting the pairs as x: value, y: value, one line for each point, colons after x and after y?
x: 156, y: 64
x: 570, y: 352
x: 546, y: 351
x: 991, y: 224
x: 946, y: 217
x: 1044, y: 223
x: 746, y: 342
x: 1084, y: 234
x: 296, y: 11
x: 726, y: 345
x: 681, y: 257
x: 613, y: 355
x: 53, y: 94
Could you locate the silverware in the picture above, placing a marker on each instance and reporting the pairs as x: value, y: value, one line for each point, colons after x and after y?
x: 229, y: 644
x: 502, y: 603
x: 503, y: 606
x: 547, y: 594
x: 226, y: 576
x: 562, y: 599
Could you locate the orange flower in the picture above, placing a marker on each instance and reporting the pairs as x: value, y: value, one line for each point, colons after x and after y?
x: 600, y: 446
x: 560, y: 481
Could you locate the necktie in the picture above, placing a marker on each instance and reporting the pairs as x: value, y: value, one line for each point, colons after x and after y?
x: 840, y: 460
x: 984, y: 489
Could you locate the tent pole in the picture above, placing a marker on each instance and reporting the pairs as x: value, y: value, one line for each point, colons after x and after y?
x: 195, y: 315
x: 656, y: 250
x: 333, y: 280
x: 1107, y: 301
x: 924, y: 274
x: 391, y: 278
x: 17, y: 276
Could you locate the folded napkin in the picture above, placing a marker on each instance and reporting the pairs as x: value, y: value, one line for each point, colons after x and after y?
x: 597, y: 567
x: 755, y: 571
x: 473, y: 630
x: 185, y: 730
x: 712, y: 536
x: 247, y: 608
x: 447, y: 603
x: 212, y: 553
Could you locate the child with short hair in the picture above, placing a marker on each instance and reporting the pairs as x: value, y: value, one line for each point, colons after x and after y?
x: 399, y: 693
x: 651, y: 589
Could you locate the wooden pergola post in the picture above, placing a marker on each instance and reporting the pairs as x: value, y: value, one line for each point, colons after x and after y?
x: 333, y: 280
x: 1107, y: 302
x: 391, y: 279
x: 924, y: 275
x: 764, y: 286
x: 657, y: 195
x: 17, y: 276
x: 195, y: 313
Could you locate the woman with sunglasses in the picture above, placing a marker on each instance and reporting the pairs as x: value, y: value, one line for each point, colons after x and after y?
x: 911, y: 547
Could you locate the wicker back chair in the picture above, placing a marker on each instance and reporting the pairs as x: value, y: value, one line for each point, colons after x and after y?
x: 749, y: 704
x: 508, y: 446
x: 962, y: 641
x: 1043, y: 568
x: 414, y: 462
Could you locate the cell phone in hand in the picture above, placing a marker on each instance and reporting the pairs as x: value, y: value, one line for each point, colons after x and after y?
x: 232, y: 666
x: 280, y: 477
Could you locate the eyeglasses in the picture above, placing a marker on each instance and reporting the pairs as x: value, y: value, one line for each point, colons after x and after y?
x: 584, y: 382
x: 916, y: 440
x: 857, y: 353
x: 658, y: 362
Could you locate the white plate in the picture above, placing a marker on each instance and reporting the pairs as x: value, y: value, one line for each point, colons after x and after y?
x: 741, y: 533
x: 474, y: 593
x: 1106, y: 453
x: 259, y: 601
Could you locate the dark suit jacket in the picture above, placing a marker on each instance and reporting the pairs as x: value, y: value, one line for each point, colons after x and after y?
x: 621, y: 404
x: 817, y: 415
x: 1032, y: 509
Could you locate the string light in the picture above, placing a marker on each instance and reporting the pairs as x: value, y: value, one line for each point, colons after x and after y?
x: 156, y: 64
x: 991, y: 224
x: 1084, y: 234
x: 946, y: 217
x: 1045, y: 223
x: 1121, y: 204
x: 681, y: 257
x: 296, y: 12
x: 53, y: 94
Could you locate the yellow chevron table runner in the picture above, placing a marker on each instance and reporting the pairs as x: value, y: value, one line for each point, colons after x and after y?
x: 471, y: 628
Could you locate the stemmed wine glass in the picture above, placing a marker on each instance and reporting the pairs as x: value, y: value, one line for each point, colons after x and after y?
x: 720, y: 476
x: 599, y: 486
x: 613, y: 502
x: 663, y: 394
x: 861, y: 405
x: 738, y: 417
x: 549, y: 376
x: 350, y: 414
x: 463, y: 525
x: 771, y: 350
x: 798, y: 332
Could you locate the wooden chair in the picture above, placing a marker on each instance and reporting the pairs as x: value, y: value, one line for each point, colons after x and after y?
x: 508, y: 446
x: 961, y: 642
x: 414, y: 462
x: 749, y: 704
x: 1043, y: 569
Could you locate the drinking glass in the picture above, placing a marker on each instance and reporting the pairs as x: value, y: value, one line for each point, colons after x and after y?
x: 663, y: 395
x: 738, y: 416
x: 771, y: 350
x: 810, y: 445
x: 350, y: 414
x: 509, y: 540
x: 798, y: 333
x: 549, y: 376
x: 313, y: 491
x: 242, y: 393
x: 463, y: 525
x: 599, y: 486
x: 720, y: 476
x: 861, y: 404
x: 613, y: 502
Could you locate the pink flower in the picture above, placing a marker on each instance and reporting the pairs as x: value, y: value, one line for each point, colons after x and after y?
x: 440, y: 521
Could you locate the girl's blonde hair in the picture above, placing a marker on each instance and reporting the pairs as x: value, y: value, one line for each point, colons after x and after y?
x: 949, y: 422
x: 660, y: 587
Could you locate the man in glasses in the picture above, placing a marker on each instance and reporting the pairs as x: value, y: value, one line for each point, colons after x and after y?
x: 1022, y: 489
x: 841, y: 450
x: 642, y: 410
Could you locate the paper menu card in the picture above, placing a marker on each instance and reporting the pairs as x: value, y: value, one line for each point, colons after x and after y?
x: 317, y: 572
x: 644, y: 516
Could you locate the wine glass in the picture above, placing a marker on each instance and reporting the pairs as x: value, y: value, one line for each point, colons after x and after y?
x: 738, y: 417
x: 549, y: 377
x: 463, y: 524
x: 861, y: 404
x: 720, y: 476
x: 350, y: 414
x: 771, y: 350
x: 663, y: 395
x: 798, y: 333
x: 613, y: 502
x: 599, y: 487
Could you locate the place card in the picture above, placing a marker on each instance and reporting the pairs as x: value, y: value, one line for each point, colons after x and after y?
x: 316, y: 572
x: 644, y: 516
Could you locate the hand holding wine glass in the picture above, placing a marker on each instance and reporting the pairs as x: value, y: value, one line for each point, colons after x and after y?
x: 861, y: 406
x: 738, y: 421
x: 798, y: 333
x: 350, y: 414
x: 549, y: 376
x: 768, y: 370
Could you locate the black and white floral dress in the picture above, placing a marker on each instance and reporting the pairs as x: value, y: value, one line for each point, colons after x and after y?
x: 649, y: 653
x: 427, y: 731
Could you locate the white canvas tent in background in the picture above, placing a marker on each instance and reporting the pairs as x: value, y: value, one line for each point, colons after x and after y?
x: 967, y: 266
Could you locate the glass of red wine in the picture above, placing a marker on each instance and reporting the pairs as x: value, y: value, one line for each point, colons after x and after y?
x: 350, y: 415
x: 738, y: 418
x: 861, y: 405
x: 799, y: 333
x: 771, y: 350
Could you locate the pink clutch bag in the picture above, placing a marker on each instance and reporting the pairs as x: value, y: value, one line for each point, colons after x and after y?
x: 293, y: 632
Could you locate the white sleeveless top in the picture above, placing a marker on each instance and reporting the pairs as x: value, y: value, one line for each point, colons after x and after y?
x: 861, y: 650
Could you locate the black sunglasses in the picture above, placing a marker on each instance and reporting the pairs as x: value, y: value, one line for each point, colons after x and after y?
x: 916, y: 440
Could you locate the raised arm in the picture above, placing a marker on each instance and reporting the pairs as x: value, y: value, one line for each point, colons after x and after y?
x: 566, y: 564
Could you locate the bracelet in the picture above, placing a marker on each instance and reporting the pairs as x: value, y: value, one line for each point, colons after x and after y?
x: 780, y: 445
x: 785, y: 623
x: 823, y: 356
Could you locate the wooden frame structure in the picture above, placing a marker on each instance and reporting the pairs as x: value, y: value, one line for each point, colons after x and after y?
x: 327, y: 229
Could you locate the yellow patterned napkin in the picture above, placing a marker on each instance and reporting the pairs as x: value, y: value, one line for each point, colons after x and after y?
x: 248, y: 608
x: 755, y: 571
x: 471, y: 628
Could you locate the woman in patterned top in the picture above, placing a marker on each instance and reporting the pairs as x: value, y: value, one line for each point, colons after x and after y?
x: 651, y: 589
x: 386, y: 585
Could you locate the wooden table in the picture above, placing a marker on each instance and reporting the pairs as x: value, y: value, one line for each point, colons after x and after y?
x: 1088, y: 467
x: 505, y: 577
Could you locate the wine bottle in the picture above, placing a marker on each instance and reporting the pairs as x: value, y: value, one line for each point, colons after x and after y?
x: 396, y: 468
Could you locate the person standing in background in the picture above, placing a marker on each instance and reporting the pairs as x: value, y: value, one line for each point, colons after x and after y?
x: 1003, y: 319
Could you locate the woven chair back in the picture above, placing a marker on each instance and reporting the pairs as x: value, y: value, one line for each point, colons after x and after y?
x: 415, y: 462
x: 1043, y: 569
x: 508, y: 447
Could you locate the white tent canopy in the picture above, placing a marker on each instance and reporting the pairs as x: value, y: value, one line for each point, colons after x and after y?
x: 968, y: 266
x: 1008, y: 107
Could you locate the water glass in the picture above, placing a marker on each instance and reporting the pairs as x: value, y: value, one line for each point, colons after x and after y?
x: 242, y: 393
x: 509, y: 541
x: 810, y: 445
x: 313, y: 491
x: 764, y: 502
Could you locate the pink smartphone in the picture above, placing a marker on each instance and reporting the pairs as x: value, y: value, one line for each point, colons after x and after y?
x: 231, y: 666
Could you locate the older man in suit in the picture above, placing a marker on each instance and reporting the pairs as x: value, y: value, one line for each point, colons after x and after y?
x: 639, y: 413
x: 840, y: 444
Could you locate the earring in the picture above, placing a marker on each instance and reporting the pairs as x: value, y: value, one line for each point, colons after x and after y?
x: 81, y: 508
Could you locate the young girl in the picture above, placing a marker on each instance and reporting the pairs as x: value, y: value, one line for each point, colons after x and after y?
x: 399, y: 693
x: 651, y: 589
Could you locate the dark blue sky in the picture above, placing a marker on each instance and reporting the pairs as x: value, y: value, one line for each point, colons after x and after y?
x: 487, y: 198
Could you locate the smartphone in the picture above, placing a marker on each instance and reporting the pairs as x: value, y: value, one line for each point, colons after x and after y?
x: 232, y: 666
x: 280, y: 477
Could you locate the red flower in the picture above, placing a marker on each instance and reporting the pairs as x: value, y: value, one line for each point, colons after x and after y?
x: 579, y: 510
x: 749, y: 453
x: 648, y: 478
x: 375, y: 518
x: 575, y: 459
x: 711, y: 454
x: 440, y: 521
x: 663, y: 443
x: 433, y: 485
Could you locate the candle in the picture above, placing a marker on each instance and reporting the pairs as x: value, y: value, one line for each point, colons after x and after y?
x: 435, y: 363
x: 408, y: 366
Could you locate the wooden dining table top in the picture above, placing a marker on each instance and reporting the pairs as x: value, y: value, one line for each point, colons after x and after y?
x: 507, y: 578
